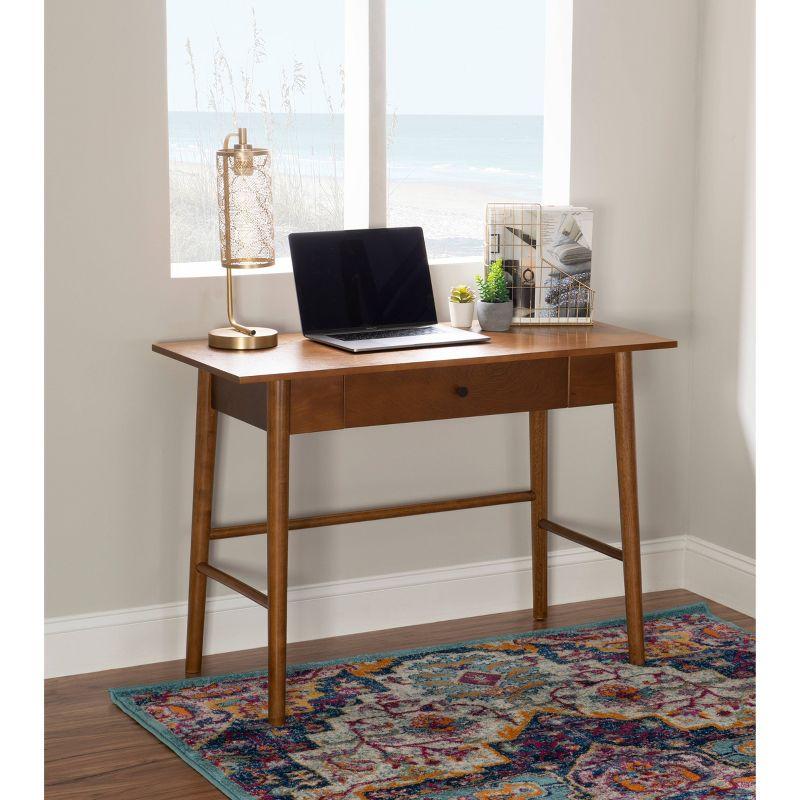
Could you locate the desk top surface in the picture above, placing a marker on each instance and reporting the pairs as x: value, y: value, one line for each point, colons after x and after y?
x: 297, y: 357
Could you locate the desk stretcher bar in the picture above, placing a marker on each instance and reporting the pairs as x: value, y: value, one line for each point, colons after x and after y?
x: 367, y: 515
x: 389, y: 512
x: 232, y: 583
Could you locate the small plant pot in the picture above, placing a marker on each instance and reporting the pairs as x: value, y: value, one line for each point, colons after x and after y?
x: 495, y: 316
x: 461, y: 314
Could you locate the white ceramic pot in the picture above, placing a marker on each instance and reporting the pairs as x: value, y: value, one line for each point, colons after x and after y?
x: 461, y: 314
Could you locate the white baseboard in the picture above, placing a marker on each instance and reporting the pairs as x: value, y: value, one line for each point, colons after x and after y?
x: 720, y: 574
x: 91, y: 642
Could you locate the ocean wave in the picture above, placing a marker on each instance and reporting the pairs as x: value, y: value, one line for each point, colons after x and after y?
x: 493, y: 170
x: 502, y: 171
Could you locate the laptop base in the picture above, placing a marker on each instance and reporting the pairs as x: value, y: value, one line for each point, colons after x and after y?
x: 440, y: 337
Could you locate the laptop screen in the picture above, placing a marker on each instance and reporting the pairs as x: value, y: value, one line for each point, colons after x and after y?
x: 347, y: 280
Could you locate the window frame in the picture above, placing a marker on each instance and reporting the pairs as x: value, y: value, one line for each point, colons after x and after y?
x: 365, y: 154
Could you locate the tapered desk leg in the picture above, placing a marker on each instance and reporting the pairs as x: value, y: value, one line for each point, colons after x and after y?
x: 205, y: 447
x: 629, y: 505
x: 279, y: 401
x: 537, y: 423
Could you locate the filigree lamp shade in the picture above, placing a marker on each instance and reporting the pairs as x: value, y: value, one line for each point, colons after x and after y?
x: 244, y: 192
x: 246, y: 230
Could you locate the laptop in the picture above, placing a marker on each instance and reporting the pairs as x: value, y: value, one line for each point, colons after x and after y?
x: 368, y: 290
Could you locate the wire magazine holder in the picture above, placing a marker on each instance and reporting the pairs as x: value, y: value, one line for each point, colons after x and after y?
x: 546, y: 254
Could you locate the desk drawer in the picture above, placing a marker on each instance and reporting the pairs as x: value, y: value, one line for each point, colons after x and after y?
x: 385, y: 398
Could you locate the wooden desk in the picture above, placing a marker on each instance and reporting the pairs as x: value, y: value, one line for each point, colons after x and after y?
x: 302, y: 386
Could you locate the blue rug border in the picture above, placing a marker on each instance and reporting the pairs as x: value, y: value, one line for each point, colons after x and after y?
x: 121, y: 696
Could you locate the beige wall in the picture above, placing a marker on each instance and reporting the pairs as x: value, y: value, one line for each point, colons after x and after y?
x: 722, y: 485
x: 119, y: 419
x: 633, y: 131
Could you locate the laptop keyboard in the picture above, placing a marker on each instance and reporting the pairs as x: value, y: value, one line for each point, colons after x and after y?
x: 388, y: 334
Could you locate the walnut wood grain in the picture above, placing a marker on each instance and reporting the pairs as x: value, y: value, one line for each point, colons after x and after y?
x: 245, y: 402
x: 537, y: 435
x: 205, y: 448
x: 279, y: 410
x: 317, y: 403
x: 581, y: 538
x: 451, y: 392
x: 591, y: 380
x: 371, y: 514
x: 625, y: 436
x: 523, y: 370
x: 298, y: 358
x: 232, y: 582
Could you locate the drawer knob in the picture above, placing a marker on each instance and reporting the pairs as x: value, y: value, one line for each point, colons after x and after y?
x: 462, y: 391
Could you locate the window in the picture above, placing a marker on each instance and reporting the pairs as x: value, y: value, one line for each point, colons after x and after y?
x: 446, y: 103
x: 240, y: 63
x: 465, y: 99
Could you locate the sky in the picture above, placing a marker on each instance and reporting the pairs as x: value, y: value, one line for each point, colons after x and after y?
x: 465, y: 56
x: 443, y: 56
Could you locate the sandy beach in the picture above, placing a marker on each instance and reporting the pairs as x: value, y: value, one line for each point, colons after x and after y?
x: 451, y: 214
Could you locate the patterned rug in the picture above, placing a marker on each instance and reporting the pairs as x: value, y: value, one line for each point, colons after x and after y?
x: 551, y: 714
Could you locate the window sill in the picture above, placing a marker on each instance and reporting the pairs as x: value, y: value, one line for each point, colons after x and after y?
x: 283, y: 266
x: 213, y: 269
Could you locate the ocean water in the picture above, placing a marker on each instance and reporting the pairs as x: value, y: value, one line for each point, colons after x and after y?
x: 313, y: 139
x: 442, y: 170
x: 498, y: 152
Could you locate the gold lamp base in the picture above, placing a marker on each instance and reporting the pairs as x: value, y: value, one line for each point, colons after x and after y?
x: 231, y: 339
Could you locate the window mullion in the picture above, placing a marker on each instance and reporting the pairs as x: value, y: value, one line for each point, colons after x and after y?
x: 365, y: 114
x: 557, y: 149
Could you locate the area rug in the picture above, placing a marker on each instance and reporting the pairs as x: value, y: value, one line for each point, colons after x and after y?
x: 549, y: 714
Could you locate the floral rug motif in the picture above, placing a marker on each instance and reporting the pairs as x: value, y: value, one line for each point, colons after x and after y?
x: 554, y: 714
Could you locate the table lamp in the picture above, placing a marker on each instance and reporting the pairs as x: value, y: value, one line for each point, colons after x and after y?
x: 246, y: 231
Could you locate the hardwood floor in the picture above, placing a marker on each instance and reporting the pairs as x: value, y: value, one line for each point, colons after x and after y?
x: 93, y: 750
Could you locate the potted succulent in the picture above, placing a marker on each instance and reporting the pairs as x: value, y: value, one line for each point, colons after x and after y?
x: 495, y: 308
x: 462, y: 306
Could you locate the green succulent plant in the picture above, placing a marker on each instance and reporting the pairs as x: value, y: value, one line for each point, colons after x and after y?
x: 493, y: 288
x: 462, y: 294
